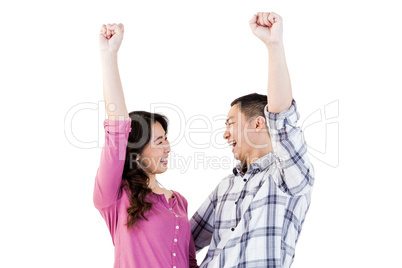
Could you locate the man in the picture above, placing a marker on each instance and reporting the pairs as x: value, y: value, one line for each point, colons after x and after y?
x: 254, y: 216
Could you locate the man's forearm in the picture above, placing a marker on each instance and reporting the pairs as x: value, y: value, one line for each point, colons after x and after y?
x: 279, y: 86
x: 112, y: 88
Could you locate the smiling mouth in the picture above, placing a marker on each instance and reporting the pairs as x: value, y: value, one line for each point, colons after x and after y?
x: 164, y: 161
x: 233, y: 144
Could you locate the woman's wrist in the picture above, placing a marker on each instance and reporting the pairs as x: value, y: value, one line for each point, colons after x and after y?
x: 108, y: 56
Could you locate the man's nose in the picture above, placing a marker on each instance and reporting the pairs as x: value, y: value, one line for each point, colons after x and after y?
x: 226, y: 135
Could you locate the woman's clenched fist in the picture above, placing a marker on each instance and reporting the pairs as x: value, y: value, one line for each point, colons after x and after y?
x: 110, y: 37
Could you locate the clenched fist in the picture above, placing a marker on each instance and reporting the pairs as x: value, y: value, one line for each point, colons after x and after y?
x: 110, y: 37
x: 268, y: 27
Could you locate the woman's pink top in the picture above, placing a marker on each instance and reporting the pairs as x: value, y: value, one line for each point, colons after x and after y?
x: 164, y: 240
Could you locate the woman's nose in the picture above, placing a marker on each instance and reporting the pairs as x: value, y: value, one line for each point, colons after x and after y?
x: 167, y: 148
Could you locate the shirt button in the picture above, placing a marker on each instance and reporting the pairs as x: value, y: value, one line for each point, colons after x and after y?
x: 235, y: 202
x: 175, y: 240
x: 177, y: 216
x: 244, y: 180
x: 177, y: 227
x: 170, y: 208
x: 174, y: 266
x: 174, y: 254
x: 232, y: 229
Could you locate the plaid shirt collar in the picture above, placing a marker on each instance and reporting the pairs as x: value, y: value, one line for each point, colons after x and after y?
x: 259, y: 165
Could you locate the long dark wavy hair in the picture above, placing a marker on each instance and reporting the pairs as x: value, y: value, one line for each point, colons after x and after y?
x: 135, y: 179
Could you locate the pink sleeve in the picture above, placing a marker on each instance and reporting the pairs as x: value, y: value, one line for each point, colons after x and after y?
x: 191, y: 249
x: 192, y: 255
x: 108, y: 177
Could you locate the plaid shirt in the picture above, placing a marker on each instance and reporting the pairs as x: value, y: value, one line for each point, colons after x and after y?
x: 254, y: 219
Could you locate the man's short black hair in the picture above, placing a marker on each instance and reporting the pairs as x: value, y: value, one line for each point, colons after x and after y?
x: 251, y: 105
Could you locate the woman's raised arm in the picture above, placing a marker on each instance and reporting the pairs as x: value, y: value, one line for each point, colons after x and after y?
x: 110, y: 38
x: 117, y: 126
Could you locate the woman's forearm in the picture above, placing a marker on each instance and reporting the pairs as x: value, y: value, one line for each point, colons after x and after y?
x: 112, y: 88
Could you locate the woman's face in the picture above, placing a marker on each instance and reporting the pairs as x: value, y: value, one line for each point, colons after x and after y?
x: 153, y: 158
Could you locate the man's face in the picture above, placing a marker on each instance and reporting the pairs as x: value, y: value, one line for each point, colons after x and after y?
x: 237, y: 130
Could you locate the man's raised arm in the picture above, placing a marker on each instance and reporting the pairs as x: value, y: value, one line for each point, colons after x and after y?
x: 286, y: 137
x: 269, y: 28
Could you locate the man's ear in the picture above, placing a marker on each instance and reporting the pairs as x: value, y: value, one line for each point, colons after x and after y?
x: 259, y: 124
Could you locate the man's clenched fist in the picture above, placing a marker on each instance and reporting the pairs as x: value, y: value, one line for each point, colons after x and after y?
x: 268, y: 27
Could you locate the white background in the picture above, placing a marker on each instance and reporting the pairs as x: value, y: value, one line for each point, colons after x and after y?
x: 199, y: 56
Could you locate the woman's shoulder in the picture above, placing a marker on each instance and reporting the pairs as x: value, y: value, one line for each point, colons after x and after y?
x: 178, y: 195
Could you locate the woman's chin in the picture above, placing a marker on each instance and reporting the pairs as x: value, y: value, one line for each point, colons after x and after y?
x: 162, y: 169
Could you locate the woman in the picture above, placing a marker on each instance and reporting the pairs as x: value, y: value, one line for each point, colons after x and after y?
x: 148, y: 224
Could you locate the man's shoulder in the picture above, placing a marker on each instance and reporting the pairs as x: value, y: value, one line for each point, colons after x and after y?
x: 225, y: 183
x: 230, y: 177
